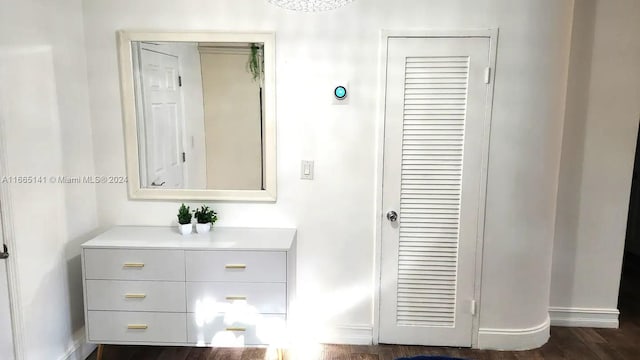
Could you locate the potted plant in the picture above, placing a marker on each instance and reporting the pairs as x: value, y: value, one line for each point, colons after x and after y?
x: 184, y: 220
x: 205, y: 217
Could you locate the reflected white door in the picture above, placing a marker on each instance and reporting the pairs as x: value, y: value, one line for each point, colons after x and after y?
x: 6, y: 337
x: 162, y: 119
x: 434, y: 123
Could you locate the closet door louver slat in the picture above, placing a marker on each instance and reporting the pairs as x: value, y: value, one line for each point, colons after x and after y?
x: 435, y: 99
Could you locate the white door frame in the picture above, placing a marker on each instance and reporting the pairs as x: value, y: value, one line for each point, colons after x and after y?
x: 6, y: 227
x: 385, y: 35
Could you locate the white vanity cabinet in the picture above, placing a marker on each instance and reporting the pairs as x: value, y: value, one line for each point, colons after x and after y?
x: 151, y: 285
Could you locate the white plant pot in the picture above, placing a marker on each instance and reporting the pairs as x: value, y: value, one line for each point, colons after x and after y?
x: 203, y: 228
x: 185, y: 229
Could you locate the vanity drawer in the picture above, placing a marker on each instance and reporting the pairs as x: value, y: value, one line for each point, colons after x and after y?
x: 120, y: 264
x: 236, y: 266
x: 263, y: 329
x: 136, y: 295
x: 114, y: 326
x: 223, y: 296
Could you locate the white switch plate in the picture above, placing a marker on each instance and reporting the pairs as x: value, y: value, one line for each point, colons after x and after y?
x: 306, y: 170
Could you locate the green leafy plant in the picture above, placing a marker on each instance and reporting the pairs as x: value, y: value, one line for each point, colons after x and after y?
x: 184, y: 215
x: 255, y: 65
x: 205, y: 215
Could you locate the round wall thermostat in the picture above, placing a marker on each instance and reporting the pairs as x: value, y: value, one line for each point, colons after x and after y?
x: 340, y: 92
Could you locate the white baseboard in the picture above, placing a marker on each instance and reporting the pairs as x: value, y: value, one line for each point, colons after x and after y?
x: 584, y: 317
x: 514, y: 339
x: 80, y: 349
x: 348, y: 334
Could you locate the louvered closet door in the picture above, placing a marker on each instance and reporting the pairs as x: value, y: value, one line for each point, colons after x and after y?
x: 435, y: 115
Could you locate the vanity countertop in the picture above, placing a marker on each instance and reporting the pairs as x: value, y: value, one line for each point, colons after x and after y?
x: 220, y: 238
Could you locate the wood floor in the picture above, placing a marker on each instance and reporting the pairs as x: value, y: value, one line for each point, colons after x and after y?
x: 565, y: 343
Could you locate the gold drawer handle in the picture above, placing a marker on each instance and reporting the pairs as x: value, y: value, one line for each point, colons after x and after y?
x: 236, y: 329
x: 133, y: 265
x: 137, y: 326
x: 235, y: 266
x: 135, y: 296
x: 236, y: 298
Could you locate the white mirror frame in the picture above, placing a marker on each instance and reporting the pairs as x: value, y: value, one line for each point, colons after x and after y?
x: 127, y: 91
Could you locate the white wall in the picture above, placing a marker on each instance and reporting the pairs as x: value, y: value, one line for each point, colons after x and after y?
x: 334, y: 212
x: 49, y: 36
x: 523, y: 169
x: 598, y: 154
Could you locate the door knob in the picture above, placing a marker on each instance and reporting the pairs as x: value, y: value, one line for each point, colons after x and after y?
x: 392, y: 216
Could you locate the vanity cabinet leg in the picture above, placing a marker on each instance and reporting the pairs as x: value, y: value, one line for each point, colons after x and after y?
x: 100, y: 351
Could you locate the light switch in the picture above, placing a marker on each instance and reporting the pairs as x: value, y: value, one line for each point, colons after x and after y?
x: 306, y: 170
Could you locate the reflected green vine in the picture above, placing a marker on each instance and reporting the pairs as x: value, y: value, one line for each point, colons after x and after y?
x: 255, y: 65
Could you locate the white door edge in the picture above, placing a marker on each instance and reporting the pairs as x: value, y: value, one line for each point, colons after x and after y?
x: 6, y: 227
x: 385, y: 35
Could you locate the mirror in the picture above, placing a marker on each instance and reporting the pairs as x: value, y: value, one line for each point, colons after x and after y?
x: 199, y: 117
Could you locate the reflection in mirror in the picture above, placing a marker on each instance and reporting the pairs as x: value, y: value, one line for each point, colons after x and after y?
x: 200, y: 114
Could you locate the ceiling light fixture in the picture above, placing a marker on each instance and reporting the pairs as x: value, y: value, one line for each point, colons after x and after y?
x: 310, y: 5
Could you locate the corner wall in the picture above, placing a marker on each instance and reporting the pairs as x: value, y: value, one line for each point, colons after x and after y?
x: 601, y: 124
